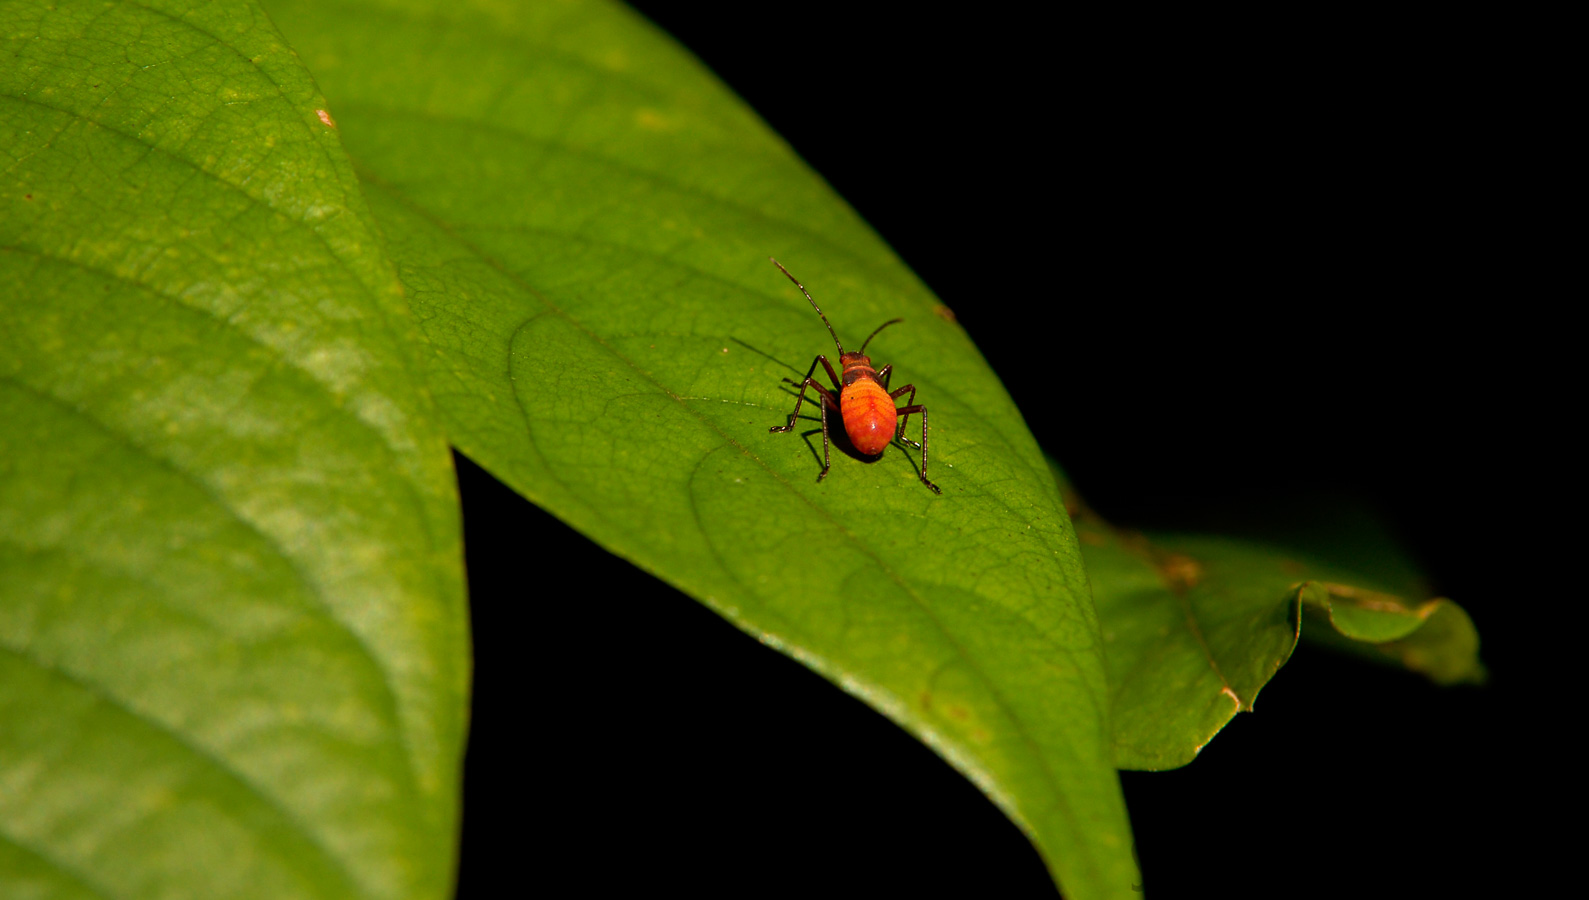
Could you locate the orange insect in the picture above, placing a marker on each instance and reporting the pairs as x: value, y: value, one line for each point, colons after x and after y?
x: 864, y: 402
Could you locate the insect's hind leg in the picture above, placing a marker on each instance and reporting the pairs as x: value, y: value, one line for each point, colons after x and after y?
x: 824, y: 405
x: 904, y: 414
x: 907, y: 410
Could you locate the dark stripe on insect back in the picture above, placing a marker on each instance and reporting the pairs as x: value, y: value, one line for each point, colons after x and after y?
x: 856, y: 372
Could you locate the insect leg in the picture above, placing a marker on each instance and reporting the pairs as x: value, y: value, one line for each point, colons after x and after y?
x: 803, y: 385
x: 923, y: 473
x: 899, y: 433
x: 838, y: 386
x: 825, y: 403
x: 884, y: 373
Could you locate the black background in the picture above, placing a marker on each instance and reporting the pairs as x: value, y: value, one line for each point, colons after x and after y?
x: 1218, y: 263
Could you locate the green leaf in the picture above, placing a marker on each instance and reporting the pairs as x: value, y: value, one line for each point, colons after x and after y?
x: 582, y: 219
x: 233, y: 656
x: 1196, y: 625
x: 1434, y: 638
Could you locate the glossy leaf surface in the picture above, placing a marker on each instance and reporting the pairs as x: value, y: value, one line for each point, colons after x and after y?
x: 582, y: 219
x: 233, y: 658
x: 1196, y: 625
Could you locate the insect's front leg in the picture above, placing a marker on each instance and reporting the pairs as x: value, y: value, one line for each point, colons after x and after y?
x: 825, y: 401
x: 884, y: 373
x: 899, y: 433
x: 802, y: 385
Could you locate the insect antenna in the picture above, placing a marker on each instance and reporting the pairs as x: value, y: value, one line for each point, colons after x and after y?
x: 813, y: 305
x: 874, y: 334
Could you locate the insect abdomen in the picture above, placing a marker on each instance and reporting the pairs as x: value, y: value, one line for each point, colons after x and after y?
x: 869, y: 416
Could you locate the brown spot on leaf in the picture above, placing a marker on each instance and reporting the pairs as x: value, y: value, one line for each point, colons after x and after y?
x: 945, y: 313
x: 1179, y: 571
x: 651, y: 120
x: 1375, y: 601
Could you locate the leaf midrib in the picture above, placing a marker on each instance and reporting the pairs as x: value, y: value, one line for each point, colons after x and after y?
x: 997, y: 695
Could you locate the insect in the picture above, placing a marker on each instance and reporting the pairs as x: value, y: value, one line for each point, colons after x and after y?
x: 861, y: 398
